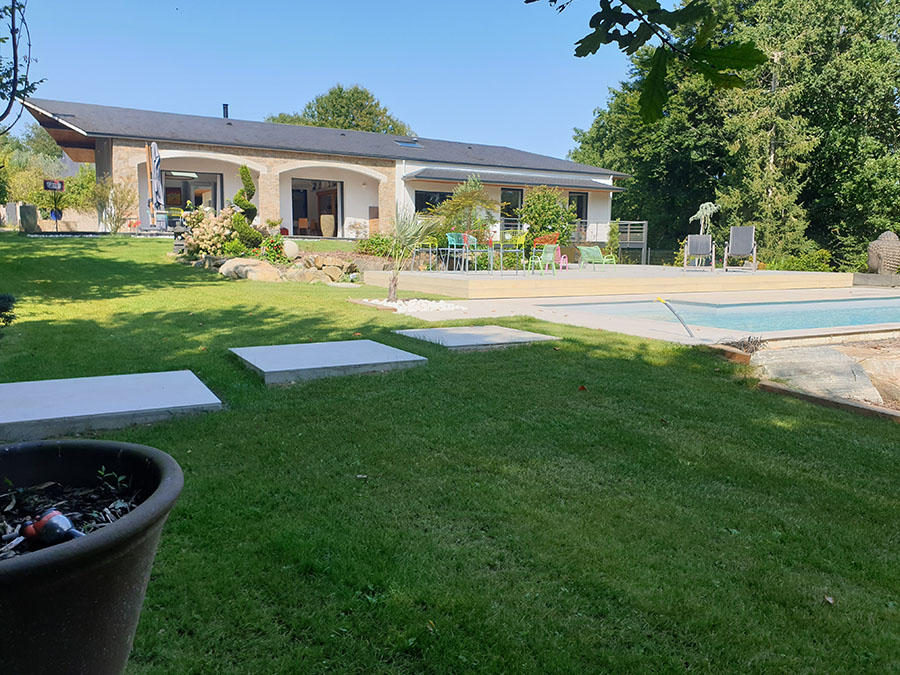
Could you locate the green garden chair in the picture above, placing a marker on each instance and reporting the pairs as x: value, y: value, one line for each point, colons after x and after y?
x: 455, y: 253
x: 593, y: 255
x: 546, y: 259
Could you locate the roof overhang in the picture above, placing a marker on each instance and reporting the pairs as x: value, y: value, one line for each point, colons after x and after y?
x: 75, y: 142
x: 441, y: 175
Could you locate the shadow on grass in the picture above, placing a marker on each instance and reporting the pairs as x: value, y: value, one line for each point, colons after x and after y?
x: 103, y: 269
x: 491, y: 479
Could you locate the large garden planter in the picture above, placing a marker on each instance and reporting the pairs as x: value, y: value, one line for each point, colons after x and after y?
x: 74, y: 607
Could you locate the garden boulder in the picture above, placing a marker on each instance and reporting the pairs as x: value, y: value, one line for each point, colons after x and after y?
x: 250, y: 268
x: 291, y: 250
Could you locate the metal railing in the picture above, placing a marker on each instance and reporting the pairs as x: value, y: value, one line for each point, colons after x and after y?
x: 632, y: 235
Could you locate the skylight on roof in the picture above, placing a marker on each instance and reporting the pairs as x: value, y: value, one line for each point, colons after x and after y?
x: 412, y: 143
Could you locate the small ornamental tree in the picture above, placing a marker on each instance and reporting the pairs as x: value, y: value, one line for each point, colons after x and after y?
x: 469, y: 209
x: 546, y: 210
x: 241, y: 221
x: 245, y: 194
x: 704, y: 214
x: 116, y: 202
x: 612, y: 239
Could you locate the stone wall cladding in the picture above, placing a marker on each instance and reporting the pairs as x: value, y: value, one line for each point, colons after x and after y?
x: 128, y: 154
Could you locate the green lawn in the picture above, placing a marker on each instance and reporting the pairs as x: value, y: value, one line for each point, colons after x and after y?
x: 324, y: 245
x: 669, y: 518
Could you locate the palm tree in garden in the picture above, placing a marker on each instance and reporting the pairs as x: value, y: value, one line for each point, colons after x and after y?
x: 410, y: 230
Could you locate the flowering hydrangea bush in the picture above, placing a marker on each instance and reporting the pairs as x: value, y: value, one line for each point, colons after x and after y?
x: 209, y: 232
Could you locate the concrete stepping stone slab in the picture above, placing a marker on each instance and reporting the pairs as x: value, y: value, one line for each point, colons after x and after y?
x: 46, y: 408
x: 475, y: 338
x: 282, y: 364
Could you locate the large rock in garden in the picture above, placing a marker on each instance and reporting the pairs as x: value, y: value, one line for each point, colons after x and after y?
x: 884, y: 254
x: 250, y: 268
x: 334, y: 273
x: 333, y: 262
x: 291, y: 250
x: 314, y: 276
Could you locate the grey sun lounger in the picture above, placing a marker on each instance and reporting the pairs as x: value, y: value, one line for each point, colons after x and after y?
x: 700, y: 246
x: 741, y: 244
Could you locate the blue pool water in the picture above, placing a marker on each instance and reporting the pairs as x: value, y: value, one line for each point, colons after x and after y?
x: 758, y: 316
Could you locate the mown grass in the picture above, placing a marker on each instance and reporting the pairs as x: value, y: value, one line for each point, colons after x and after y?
x: 480, y: 513
x: 324, y: 245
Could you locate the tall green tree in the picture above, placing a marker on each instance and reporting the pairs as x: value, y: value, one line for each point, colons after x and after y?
x: 807, y: 151
x: 346, y: 108
x: 676, y: 163
x: 38, y: 141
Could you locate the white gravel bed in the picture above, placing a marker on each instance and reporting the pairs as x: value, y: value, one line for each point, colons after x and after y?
x: 417, y: 305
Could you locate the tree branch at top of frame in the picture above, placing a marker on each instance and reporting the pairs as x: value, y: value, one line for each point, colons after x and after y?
x: 15, y: 69
x: 632, y: 24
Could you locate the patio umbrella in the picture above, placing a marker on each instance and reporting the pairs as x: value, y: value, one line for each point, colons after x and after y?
x: 156, y: 190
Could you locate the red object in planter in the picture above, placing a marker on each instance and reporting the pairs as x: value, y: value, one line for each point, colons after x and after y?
x: 51, y: 528
x: 284, y: 232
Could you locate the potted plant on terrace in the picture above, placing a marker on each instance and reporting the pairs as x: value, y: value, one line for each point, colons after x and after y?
x: 73, y: 607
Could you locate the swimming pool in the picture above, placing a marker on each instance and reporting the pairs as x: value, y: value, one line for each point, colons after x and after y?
x: 755, y: 316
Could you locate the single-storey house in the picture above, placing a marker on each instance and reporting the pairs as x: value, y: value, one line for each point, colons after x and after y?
x: 319, y: 181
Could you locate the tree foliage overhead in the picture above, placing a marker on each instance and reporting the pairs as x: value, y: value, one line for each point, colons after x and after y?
x: 346, y: 108
x: 807, y: 151
x: 684, y: 35
x: 15, y: 60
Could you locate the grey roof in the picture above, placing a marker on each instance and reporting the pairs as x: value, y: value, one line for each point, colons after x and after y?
x: 107, y: 121
x: 499, y: 178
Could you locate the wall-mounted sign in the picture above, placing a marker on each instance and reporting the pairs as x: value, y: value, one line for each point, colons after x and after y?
x: 55, y: 185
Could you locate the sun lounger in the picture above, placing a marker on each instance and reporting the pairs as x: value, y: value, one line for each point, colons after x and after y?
x: 741, y: 244
x: 700, y: 246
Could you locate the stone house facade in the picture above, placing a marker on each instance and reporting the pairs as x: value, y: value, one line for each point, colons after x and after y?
x: 316, y: 181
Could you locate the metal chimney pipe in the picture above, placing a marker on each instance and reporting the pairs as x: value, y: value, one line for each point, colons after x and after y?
x: 225, y: 110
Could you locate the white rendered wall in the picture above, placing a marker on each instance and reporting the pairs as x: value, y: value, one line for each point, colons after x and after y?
x: 599, y: 203
x: 360, y: 191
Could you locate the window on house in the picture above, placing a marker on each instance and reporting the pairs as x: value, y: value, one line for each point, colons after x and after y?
x: 511, y: 200
x: 409, y: 144
x: 426, y: 199
x: 580, y: 200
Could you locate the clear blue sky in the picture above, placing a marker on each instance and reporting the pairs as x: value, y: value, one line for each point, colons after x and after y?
x: 482, y: 71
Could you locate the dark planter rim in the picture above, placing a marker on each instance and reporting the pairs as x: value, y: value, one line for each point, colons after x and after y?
x: 112, y: 538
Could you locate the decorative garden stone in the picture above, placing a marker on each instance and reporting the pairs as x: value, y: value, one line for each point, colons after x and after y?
x: 291, y: 250
x: 334, y: 273
x: 884, y: 254
x: 250, y: 268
